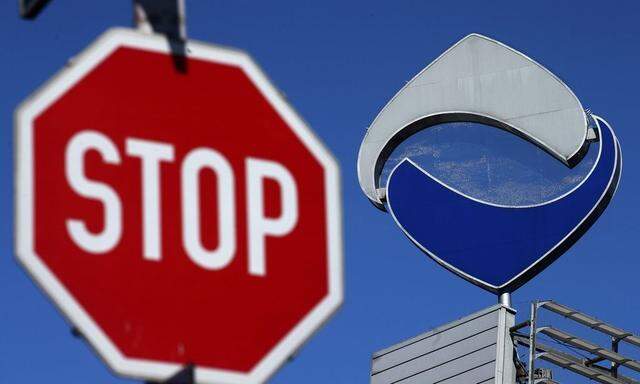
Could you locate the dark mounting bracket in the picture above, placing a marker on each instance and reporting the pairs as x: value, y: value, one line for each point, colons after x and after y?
x: 29, y: 9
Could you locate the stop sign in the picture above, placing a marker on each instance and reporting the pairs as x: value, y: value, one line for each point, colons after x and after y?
x: 177, y: 218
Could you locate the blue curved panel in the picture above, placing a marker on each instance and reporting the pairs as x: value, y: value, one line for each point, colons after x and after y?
x: 499, y: 247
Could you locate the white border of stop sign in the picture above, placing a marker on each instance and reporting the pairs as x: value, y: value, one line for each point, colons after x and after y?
x: 25, y: 249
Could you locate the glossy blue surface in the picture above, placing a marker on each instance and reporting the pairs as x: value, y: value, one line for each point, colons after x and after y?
x: 493, y: 245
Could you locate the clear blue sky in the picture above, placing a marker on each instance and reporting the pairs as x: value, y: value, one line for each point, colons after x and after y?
x: 338, y: 63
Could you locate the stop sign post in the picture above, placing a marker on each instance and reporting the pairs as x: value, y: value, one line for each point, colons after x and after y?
x: 177, y: 218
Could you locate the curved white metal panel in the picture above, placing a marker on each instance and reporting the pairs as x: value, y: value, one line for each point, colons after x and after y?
x: 478, y: 79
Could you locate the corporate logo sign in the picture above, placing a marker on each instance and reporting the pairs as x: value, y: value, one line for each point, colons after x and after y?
x: 497, y: 247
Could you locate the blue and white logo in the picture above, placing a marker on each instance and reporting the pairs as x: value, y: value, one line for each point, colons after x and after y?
x: 497, y: 247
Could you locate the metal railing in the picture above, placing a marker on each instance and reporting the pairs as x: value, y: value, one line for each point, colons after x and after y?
x: 586, y: 367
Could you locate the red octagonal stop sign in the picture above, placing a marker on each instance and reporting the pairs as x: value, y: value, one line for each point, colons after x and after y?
x: 178, y: 218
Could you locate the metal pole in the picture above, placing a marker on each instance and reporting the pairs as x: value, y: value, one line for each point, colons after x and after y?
x: 166, y: 17
x: 505, y: 299
x: 532, y: 339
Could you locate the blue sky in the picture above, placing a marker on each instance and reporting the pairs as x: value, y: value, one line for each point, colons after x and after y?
x: 339, y: 62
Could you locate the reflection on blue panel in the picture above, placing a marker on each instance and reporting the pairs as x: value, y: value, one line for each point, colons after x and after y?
x: 489, y: 164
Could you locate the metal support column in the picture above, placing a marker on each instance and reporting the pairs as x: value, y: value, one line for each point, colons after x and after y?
x: 505, y: 299
x: 532, y: 340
